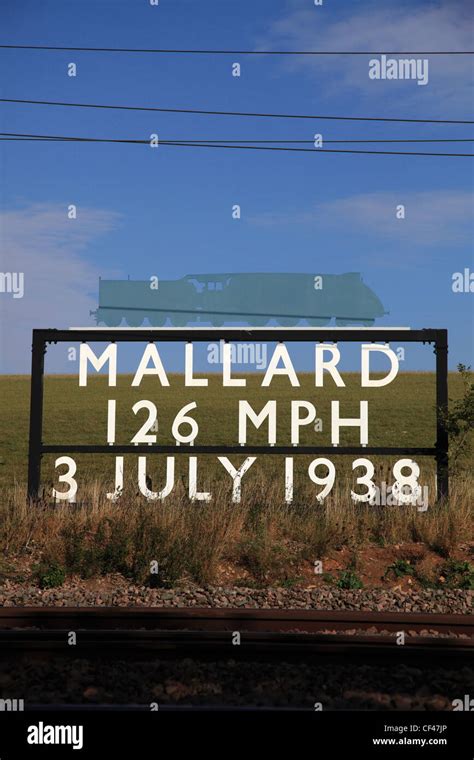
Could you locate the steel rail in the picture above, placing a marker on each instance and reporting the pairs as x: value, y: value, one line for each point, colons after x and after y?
x: 134, y: 634
x: 137, y: 644
x: 225, y: 619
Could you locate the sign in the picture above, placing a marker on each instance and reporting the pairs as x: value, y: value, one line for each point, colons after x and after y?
x: 248, y: 415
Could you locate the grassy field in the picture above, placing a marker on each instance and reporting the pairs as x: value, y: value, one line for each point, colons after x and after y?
x: 401, y: 414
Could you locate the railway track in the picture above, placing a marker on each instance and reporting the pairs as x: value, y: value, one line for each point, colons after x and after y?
x: 136, y: 632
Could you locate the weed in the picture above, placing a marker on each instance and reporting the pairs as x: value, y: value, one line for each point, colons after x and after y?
x: 348, y: 579
x: 400, y: 568
x: 50, y: 576
x: 455, y: 574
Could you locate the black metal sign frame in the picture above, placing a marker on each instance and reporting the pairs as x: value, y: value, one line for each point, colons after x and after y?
x: 41, y: 338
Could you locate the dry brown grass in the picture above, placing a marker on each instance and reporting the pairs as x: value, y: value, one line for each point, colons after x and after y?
x: 262, y: 535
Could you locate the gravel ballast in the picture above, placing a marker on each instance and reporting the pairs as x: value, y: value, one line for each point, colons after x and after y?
x: 330, y: 685
x: 310, y: 685
x: 327, y: 598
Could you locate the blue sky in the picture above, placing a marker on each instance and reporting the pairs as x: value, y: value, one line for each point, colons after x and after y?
x: 168, y: 211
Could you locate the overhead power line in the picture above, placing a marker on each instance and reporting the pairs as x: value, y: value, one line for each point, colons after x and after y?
x: 286, y: 142
x: 180, y: 51
x: 231, y: 113
x: 197, y: 144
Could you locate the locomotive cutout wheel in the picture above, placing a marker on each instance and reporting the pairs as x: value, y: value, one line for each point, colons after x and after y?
x: 112, y: 319
x: 288, y: 321
x: 157, y: 320
x: 221, y: 319
x: 181, y: 320
x: 135, y: 320
x: 341, y: 322
x: 318, y: 322
x: 258, y: 321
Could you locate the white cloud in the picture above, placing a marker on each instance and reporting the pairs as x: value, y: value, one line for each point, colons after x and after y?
x: 439, y: 26
x: 432, y: 218
x: 40, y: 241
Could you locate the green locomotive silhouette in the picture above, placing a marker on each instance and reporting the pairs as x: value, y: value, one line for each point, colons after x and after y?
x: 252, y: 298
